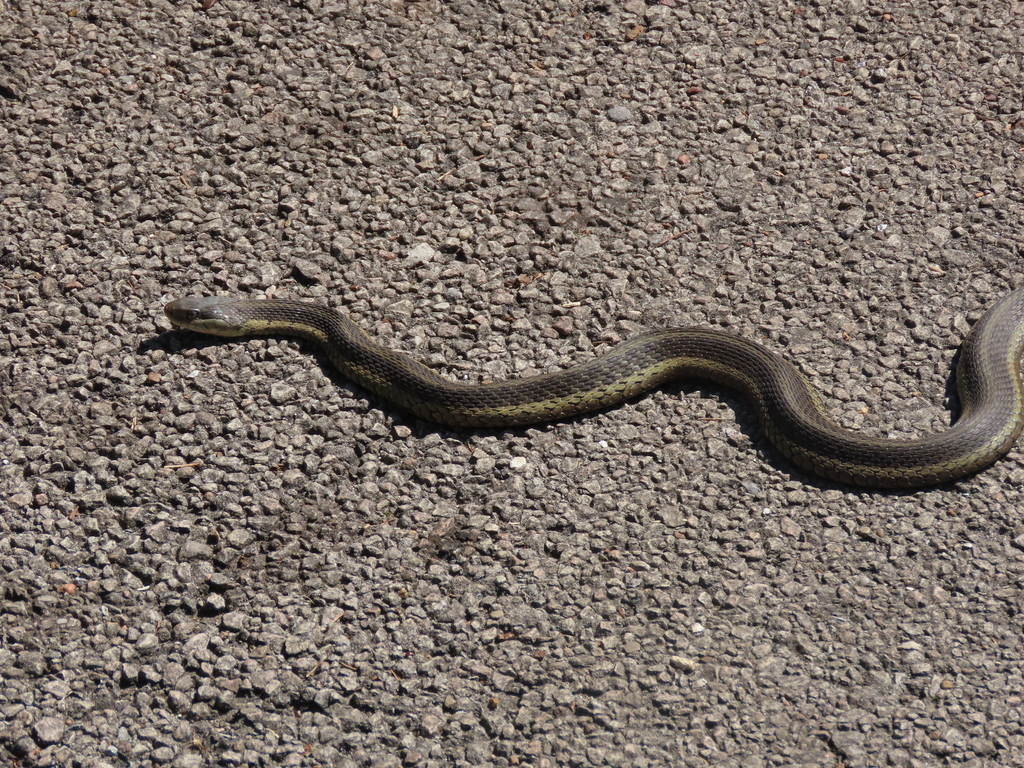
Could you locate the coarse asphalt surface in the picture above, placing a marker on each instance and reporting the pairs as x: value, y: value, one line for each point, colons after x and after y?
x: 219, y: 553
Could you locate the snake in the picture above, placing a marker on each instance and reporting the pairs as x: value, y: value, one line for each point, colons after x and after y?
x: 790, y: 410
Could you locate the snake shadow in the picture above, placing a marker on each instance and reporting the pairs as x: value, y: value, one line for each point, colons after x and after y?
x: 176, y: 341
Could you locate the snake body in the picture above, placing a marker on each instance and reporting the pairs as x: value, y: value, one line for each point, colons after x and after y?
x: 790, y: 410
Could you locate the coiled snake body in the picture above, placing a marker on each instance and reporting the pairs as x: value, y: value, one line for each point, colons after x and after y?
x: 789, y: 409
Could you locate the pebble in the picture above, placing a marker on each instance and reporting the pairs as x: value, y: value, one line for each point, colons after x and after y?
x: 620, y: 114
x: 48, y: 730
x: 281, y: 393
x: 683, y: 664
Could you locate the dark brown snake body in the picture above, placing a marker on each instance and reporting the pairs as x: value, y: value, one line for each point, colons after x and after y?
x: 789, y: 409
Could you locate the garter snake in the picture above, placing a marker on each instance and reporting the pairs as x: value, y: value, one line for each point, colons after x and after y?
x: 789, y: 409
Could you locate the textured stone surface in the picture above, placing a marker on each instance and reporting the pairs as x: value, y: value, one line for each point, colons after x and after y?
x: 218, y: 553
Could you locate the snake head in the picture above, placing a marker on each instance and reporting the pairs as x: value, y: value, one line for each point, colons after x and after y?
x: 210, y: 314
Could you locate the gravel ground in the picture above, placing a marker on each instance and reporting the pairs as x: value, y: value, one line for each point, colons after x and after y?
x: 218, y: 553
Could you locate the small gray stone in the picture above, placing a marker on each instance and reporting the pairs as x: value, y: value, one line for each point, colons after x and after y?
x: 195, y: 550
x: 162, y: 754
x: 308, y: 271
x: 32, y: 662
x: 147, y: 643
x: 281, y: 393
x: 470, y: 172
x: 588, y: 245
x: 422, y: 253
x: 234, y: 621
x: 57, y: 688
x: 214, y: 604
x: 619, y: 114
x: 119, y: 496
x: 49, y: 730
x: 683, y: 664
x: 240, y: 538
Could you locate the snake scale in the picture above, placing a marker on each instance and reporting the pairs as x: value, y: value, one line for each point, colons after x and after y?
x: 789, y: 409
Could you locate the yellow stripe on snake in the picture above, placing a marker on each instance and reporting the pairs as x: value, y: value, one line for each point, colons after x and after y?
x: 789, y: 409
